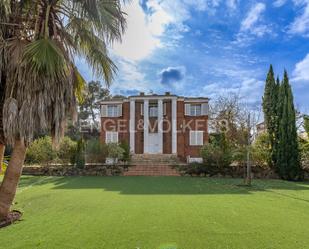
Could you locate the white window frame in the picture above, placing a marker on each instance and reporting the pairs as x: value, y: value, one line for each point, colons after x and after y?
x: 196, y: 138
x: 142, y: 109
x: 195, y: 110
x: 153, y: 111
x: 164, y: 109
x: 114, y: 112
x: 111, y: 137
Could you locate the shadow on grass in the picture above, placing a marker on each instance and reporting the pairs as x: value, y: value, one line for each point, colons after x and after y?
x: 165, y: 185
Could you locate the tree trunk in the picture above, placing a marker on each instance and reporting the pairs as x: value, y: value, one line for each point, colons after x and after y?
x: 2, y: 149
x: 11, y: 178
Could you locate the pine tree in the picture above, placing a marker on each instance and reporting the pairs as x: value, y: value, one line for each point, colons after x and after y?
x: 270, y: 108
x: 288, y: 158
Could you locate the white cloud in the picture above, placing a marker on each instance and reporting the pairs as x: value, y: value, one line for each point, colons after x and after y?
x: 232, y: 4
x: 253, y: 17
x: 301, y: 23
x: 301, y: 71
x: 279, y: 3
x: 138, y: 40
x: 146, y: 29
x: 253, y: 26
x: 131, y: 77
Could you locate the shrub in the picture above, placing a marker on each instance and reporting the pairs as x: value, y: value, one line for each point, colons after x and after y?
x: 41, y: 151
x: 66, y: 150
x: 261, y: 151
x: 3, y: 166
x: 80, y: 154
x: 96, y: 152
x: 115, y: 151
x: 305, y: 155
x: 126, y: 155
x: 217, y: 153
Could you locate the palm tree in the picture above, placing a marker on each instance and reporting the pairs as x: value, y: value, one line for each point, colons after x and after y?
x: 41, y: 81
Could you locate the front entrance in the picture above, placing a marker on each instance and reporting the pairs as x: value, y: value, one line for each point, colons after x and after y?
x: 154, y: 143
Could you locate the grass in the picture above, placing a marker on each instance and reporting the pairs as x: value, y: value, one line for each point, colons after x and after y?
x: 158, y: 212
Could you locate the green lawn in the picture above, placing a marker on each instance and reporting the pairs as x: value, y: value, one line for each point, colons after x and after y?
x: 158, y: 212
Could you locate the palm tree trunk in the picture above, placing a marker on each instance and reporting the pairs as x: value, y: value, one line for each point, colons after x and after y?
x: 11, y: 178
x: 2, y: 149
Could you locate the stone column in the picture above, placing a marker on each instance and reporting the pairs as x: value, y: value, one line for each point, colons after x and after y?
x: 132, y: 126
x: 174, y: 126
x: 160, y: 124
x: 146, y: 124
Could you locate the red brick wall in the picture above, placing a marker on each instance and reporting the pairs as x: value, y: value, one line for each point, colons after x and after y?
x: 139, y: 135
x: 120, y: 124
x: 167, y: 129
x: 183, y: 138
x: 183, y: 135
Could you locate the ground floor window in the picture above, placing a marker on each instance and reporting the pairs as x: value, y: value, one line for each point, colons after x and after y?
x: 196, y: 137
x: 111, y: 137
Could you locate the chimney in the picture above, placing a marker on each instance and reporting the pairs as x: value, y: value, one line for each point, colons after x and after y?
x: 141, y: 94
x: 167, y: 93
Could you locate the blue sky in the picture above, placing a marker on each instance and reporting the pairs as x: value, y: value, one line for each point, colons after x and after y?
x: 212, y: 47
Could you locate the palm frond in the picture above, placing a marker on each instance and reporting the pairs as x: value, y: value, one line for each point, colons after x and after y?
x: 80, y: 84
x: 43, y: 57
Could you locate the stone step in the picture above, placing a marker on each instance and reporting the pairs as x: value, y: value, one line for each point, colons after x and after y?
x: 151, y: 170
x: 154, y: 159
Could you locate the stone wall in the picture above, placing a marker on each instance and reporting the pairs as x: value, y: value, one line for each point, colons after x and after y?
x: 258, y: 172
x: 69, y: 170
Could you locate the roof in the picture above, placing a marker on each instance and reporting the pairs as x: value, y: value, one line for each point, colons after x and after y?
x: 142, y: 95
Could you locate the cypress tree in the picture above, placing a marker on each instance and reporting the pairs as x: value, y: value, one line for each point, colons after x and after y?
x: 288, y: 158
x: 270, y: 108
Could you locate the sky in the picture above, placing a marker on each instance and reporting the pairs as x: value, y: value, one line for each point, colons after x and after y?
x: 212, y: 47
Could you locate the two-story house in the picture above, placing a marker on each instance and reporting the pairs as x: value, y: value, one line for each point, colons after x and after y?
x: 157, y: 124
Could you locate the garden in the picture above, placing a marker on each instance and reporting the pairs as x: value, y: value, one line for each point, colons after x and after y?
x: 158, y: 213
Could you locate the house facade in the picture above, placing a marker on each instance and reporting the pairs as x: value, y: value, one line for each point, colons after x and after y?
x: 157, y: 124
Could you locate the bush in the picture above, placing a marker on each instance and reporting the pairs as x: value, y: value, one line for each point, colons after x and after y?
x: 217, y: 153
x: 41, y: 151
x: 96, y: 152
x: 80, y: 154
x: 115, y: 151
x: 126, y: 155
x: 66, y: 150
x: 4, y: 165
x: 261, y: 151
x: 305, y: 155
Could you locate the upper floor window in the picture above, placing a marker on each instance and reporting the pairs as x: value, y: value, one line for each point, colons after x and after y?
x: 112, y: 110
x: 196, y: 110
x: 153, y: 110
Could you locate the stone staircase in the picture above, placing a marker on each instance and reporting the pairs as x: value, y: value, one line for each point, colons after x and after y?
x: 153, y: 165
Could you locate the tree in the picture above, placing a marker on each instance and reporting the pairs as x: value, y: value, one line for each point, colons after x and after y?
x: 288, y: 158
x: 90, y: 107
x: 270, y: 108
x: 38, y: 71
x: 306, y: 124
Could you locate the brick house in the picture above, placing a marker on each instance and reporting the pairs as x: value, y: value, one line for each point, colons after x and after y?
x: 157, y: 124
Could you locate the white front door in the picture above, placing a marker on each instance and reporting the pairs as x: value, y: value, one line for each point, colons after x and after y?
x: 154, y: 143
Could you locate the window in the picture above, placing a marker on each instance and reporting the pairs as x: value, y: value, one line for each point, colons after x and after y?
x: 142, y: 109
x: 195, y: 110
x: 112, y: 111
x: 196, y: 138
x: 153, y: 111
x: 164, y: 109
x: 111, y: 137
